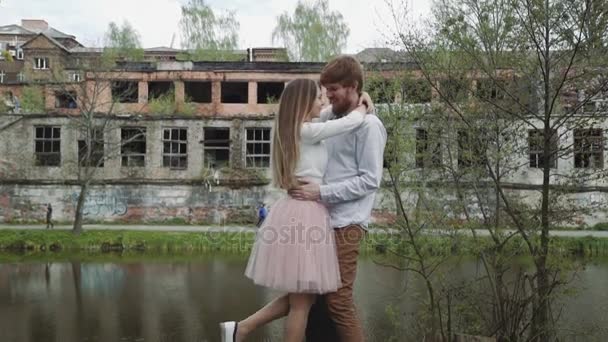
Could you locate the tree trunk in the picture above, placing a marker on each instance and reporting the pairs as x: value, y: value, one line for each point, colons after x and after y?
x: 77, y: 228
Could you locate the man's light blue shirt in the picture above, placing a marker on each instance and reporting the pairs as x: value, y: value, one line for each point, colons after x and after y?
x: 354, y: 172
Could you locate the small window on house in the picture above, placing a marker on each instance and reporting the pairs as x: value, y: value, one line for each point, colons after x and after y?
x: 235, y: 92
x: 125, y: 91
x: 198, y: 92
x: 133, y: 146
x: 536, y: 143
x: 589, y: 148
x: 270, y: 92
x: 258, y: 147
x: 91, y: 148
x: 65, y: 99
x: 47, y: 145
x: 20, y: 77
x: 159, y: 88
x: 416, y: 91
x: 470, y: 152
x: 20, y: 54
x: 217, y: 146
x: 2, y: 75
x: 76, y: 77
x: 41, y: 63
x: 175, y: 148
x: 428, y: 149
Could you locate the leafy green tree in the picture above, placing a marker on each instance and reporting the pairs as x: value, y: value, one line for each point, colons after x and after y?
x: 206, y: 35
x: 122, y: 42
x: 32, y: 100
x: 513, y: 81
x: 313, y: 33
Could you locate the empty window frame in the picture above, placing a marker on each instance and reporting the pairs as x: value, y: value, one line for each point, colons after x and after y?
x: 198, y: 92
x: 91, y: 148
x: 270, y: 92
x: 66, y: 99
x: 416, y: 91
x: 382, y: 91
x: 491, y: 89
x: 536, y: 143
x: 216, y: 146
x: 133, y: 146
x: 258, y: 147
x: 235, y: 92
x: 471, y: 152
x: 588, y: 148
x: 175, y: 148
x: 428, y: 149
x: 47, y: 143
x: 125, y: 91
x: 157, y: 89
x: 454, y: 89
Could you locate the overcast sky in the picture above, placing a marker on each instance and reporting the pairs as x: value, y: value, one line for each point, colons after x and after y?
x: 157, y: 20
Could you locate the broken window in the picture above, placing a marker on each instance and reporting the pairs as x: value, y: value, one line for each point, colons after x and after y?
x: 91, y: 148
x: 125, y: 91
x: 494, y: 89
x: 258, y: 147
x: 381, y: 91
x: 428, y: 149
x: 416, y: 91
x: 41, y: 63
x: 454, y: 89
x: 65, y: 99
x: 588, y: 148
x: 48, y: 145
x: 157, y: 89
x: 133, y: 146
x: 235, y: 92
x: 198, y: 92
x: 175, y: 148
x: 216, y: 146
x: 471, y: 153
x: 536, y: 143
x: 270, y: 92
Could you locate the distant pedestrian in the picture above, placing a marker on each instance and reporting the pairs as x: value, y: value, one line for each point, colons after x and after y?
x: 49, y: 216
x: 17, y: 108
x: 262, y: 213
x: 190, y: 215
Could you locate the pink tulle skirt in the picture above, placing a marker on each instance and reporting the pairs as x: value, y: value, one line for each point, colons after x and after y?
x: 295, y: 250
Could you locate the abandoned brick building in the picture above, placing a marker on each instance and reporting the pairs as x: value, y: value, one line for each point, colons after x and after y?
x: 185, y: 141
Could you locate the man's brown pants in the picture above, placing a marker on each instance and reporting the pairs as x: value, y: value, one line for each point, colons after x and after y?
x: 339, y: 305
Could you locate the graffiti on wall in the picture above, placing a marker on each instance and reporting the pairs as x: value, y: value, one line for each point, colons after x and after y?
x: 103, y: 204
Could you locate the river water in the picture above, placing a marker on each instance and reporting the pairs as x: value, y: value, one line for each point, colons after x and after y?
x: 182, y: 299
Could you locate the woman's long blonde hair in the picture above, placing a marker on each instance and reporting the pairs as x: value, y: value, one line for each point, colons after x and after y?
x: 295, y: 107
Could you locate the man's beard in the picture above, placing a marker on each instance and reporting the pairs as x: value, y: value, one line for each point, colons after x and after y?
x: 340, y: 108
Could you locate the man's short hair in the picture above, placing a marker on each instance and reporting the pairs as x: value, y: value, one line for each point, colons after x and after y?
x: 345, y: 70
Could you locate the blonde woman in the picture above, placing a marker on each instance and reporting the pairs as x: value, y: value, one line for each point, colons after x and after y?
x: 295, y: 250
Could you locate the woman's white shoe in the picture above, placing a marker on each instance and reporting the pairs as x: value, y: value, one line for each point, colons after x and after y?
x: 228, y: 330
